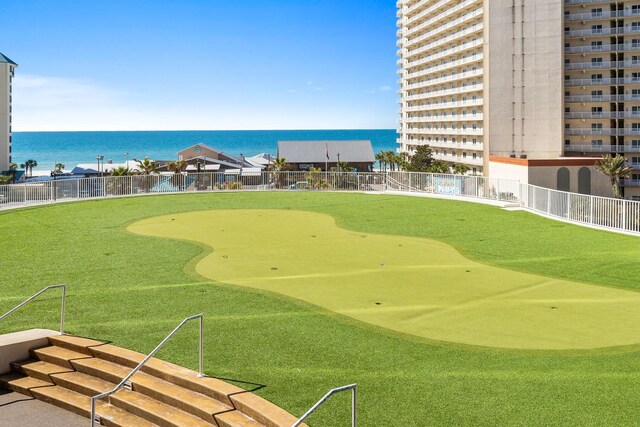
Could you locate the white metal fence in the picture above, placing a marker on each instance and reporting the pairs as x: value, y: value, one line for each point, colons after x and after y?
x: 614, y: 214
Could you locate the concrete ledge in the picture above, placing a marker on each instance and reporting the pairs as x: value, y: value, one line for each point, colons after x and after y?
x: 16, y: 346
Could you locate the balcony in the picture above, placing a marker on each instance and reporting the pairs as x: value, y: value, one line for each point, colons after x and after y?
x: 602, y: 98
x: 622, y: 47
x: 602, y: 131
x: 449, y: 118
x: 476, y: 57
x: 601, y: 32
x: 447, y: 131
x: 445, y: 105
x: 444, y: 40
x: 602, y: 82
x: 444, y: 53
x: 446, y: 92
x: 469, y: 160
x: 446, y: 27
x: 580, y: 2
x: 447, y: 79
x: 603, y: 115
x: 630, y: 182
x: 602, y: 65
x: 605, y: 14
x: 589, y: 148
x: 434, y: 19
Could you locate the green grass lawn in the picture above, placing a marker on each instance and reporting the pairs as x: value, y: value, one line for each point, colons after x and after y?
x: 133, y: 289
x: 414, y: 285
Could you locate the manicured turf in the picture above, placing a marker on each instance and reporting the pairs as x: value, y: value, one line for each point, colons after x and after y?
x: 412, y: 285
x: 134, y: 289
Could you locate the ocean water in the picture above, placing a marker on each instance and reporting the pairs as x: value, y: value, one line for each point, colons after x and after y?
x: 71, y: 148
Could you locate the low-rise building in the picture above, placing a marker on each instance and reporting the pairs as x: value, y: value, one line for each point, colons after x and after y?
x: 325, y: 155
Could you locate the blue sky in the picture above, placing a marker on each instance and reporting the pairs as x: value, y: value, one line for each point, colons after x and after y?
x: 201, y: 64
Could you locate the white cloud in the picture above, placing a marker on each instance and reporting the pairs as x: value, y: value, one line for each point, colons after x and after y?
x: 385, y: 88
x: 44, y: 103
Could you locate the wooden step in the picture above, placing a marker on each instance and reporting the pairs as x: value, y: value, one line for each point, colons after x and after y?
x: 81, y: 404
x: 237, y: 419
x: 148, y: 385
x: 78, y: 344
x: 152, y: 410
x: 21, y: 384
x: 39, y: 369
x: 58, y: 355
x: 183, y: 377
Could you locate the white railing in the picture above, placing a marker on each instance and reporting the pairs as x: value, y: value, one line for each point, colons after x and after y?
x: 612, y: 214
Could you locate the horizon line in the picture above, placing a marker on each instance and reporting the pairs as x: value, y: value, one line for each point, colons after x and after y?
x: 202, y: 130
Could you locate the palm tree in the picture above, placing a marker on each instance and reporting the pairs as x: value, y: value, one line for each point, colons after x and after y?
x: 57, y: 169
x: 460, y: 169
x: 28, y: 166
x: 177, y: 167
x: 439, y: 167
x: 615, y: 169
x: 147, y: 166
x: 279, y: 164
x: 121, y: 171
x: 13, y: 170
x: 381, y: 158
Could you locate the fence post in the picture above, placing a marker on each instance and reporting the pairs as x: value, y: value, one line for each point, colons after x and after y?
x: 568, y: 205
x: 624, y: 214
x: 549, y: 201
x: 25, y: 194
x: 591, y: 210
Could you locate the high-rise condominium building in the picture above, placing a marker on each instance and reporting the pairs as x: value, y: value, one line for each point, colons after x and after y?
x: 534, y: 90
x: 7, y: 68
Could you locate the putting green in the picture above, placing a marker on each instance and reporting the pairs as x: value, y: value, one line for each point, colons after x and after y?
x: 411, y: 285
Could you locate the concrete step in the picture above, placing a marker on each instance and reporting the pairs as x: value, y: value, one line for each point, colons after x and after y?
x: 253, y: 406
x: 82, y: 383
x: 175, y: 374
x: 58, y: 355
x: 262, y: 410
x: 237, y: 419
x: 148, y: 385
x: 152, y: 410
x: 80, y: 404
x: 21, y: 384
x: 78, y: 344
x: 39, y: 369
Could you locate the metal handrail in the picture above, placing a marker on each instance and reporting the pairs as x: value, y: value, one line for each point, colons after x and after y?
x: 125, y: 381
x: 28, y: 300
x: 354, y: 399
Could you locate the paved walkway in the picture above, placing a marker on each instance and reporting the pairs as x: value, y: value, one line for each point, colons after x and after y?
x: 20, y: 410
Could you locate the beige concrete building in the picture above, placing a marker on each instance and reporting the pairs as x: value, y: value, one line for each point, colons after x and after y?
x: 7, y: 68
x: 484, y: 82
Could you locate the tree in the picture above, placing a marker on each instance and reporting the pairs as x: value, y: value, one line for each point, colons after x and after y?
x: 439, y: 167
x: 421, y: 159
x: 279, y: 164
x: 147, y: 166
x: 460, y: 169
x: 615, y: 169
x: 121, y: 171
x: 5, y: 179
x: 380, y: 158
x: 177, y: 167
x: 13, y: 170
x: 342, y: 167
x: 28, y: 166
x: 57, y: 169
